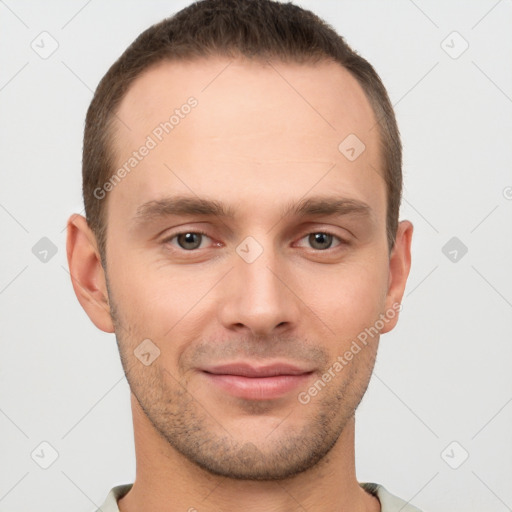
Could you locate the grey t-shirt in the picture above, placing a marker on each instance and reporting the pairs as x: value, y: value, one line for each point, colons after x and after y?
x: 388, y: 502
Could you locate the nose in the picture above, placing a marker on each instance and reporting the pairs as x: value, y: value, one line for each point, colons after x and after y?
x: 258, y: 296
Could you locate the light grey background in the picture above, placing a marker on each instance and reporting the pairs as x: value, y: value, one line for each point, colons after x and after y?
x: 442, y: 375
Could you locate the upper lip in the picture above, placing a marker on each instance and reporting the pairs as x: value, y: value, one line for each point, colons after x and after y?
x: 250, y: 370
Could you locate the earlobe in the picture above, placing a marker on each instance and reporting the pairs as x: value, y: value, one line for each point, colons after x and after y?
x: 399, y: 267
x: 87, y: 274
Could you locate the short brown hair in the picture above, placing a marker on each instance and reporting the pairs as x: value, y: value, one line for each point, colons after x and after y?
x: 257, y: 29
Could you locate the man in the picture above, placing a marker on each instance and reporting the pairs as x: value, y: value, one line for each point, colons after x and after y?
x: 242, y: 181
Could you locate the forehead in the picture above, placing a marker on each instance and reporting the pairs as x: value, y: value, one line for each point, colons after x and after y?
x: 259, y: 127
x: 325, y: 93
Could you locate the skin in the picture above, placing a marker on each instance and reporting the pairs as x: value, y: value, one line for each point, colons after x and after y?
x: 254, y: 144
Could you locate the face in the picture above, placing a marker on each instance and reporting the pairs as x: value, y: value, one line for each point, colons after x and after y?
x: 251, y: 252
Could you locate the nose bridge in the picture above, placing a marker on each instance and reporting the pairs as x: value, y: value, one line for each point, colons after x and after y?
x: 258, y: 298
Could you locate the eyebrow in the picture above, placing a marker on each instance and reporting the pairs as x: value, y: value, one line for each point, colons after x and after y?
x: 190, y: 205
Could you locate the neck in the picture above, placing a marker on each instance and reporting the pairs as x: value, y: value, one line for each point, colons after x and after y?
x: 168, y: 482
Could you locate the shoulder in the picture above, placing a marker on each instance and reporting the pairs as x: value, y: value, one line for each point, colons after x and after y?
x: 388, y: 502
x: 116, y: 493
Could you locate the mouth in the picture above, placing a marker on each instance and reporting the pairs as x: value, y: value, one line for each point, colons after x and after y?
x: 251, y: 382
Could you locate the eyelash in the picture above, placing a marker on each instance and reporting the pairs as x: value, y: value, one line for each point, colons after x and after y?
x: 200, y: 232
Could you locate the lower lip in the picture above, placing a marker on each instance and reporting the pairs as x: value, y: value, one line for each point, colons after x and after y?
x: 258, y: 388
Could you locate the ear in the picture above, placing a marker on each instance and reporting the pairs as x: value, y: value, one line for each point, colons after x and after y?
x: 399, y: 266
x: 87, y: 274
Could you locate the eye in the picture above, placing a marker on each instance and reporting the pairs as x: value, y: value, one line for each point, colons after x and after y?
x: 188, y: 240
x: 192, y: 240
x: 321, y: 240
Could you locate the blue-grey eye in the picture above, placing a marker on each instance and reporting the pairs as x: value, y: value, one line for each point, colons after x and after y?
x: 320, y: 240
x: 189, y: 241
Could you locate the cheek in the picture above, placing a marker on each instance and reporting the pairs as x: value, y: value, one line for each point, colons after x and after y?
x: 349, y: 298
x: 157, y: 301
x: 166, y: 303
